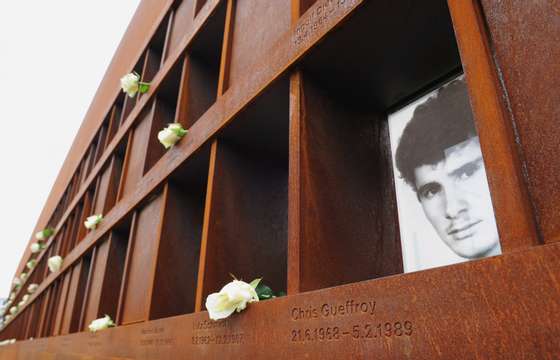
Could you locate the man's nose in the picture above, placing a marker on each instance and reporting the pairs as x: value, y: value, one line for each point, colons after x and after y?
x: 454, y: 202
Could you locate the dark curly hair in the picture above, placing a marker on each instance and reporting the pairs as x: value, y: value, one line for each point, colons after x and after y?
x: 444, y: 120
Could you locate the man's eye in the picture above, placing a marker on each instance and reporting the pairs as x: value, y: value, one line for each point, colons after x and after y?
x: 467, y: 171
x: 429, y: 191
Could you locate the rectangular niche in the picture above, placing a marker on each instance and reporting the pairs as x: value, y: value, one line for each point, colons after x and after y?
x: 163, y: 112
x: 181, y: 21
x: 347, y: 215
x: 202, y: 69
x: 162, y: 259
x: 105, y: 279
x: 176, y: 272
x: 153, y: 58
x: 247, y: 209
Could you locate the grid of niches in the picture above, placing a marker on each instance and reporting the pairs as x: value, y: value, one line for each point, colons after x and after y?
x: 88, y: 194
x: 277, y: 182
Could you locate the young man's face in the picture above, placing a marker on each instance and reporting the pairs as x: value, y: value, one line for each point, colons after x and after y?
x: 455, y: 197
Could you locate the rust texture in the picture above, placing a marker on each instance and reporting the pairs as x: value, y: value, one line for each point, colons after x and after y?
x: 285, y: 173
x: 525, y: 37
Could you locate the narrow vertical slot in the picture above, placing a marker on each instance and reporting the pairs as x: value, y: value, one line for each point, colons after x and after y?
x: 73, y: 233
x: 141, y: 257
x: 199, y: 85
x: 89, y: 160
x: 115, y: 116
x: 36, y: 317
x: 72, y: 296
x: 108, y: 186
x: 86, y: 211
x: 174, y: 283
x: 107, y: 275
x: 246, y: 229
x: 76, y: 299
x: 59, y: 291
x: 164, y: 112
x: 181, y: 21
x: 136, y: 151
x: 130, y: 102
x: 154, y: 53
x: 43, y: 312
x: 31, y: 319
x: 101, y: 141
x: 65, y: 244
x: 64, y: 201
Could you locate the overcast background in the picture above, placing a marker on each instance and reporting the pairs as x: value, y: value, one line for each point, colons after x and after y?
x: 53, y: 55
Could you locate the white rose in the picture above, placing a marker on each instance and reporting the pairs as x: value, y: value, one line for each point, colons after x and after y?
x: 23, y: 276
x: 44, y: 234
x: 13, y: 310
x: 233, y: 297
x: 32, y: 288
x: 7, y: 318
x: 21, y: 303
x: 92, y: 221
x: 17, y: 281
x: 130, y: 84
x: 55, y: 263
x: 171, y: 134
x: 31, y: 264
x: 7, y: 342
x: 100, y: 324
x: 12, y: 296
x: 25, y: 298
x: 35, y: 248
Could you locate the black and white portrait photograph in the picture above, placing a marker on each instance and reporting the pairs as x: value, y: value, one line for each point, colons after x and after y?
x: 444, y: 204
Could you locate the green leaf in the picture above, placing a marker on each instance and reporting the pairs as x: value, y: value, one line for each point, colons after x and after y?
x: 143, y: 88
x: 48, y: 232
x: 255, y: 283
x: 180, y: 132
x: 264, y: 292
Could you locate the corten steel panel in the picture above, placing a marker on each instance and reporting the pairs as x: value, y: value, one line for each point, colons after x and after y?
x: 249, y: 219
x: 183, y: 16
x: 295, y: 44
x: 72, y: 299
x: 504, y: 307
x: 99, y: 266
x: 510, y: 198
x: 257, y: 27
x: 131, y: 46
x: 218, y: 118
x: 136, y: 153
x: 524, y: 39
x: 178, y: 253
x: 59, y: 311
x: 137, y: 289
x: 103, y: 194
x: 346, y: 192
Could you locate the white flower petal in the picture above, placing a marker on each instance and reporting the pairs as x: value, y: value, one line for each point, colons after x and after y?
x: 55, y: 263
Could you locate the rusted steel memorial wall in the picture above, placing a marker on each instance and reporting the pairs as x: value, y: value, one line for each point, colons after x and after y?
x: 286, y: 173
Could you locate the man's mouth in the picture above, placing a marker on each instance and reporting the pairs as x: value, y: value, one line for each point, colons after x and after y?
x: 463, y: 232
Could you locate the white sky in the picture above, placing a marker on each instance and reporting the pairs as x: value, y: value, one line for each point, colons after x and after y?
x: 53, y: 55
